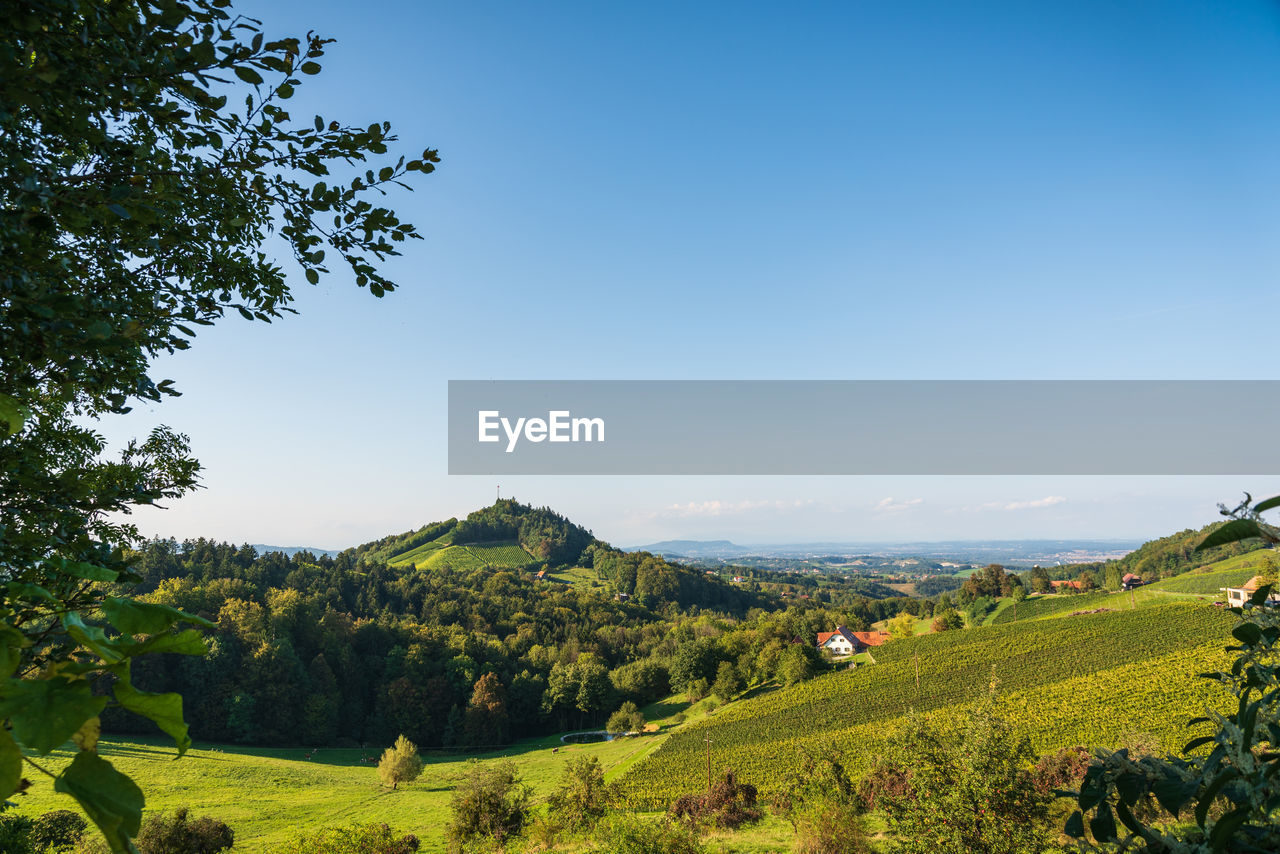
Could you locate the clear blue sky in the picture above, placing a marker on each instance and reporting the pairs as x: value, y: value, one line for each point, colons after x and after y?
x: 839, y: 190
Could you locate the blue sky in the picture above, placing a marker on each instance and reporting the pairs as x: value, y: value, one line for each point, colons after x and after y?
x: 722, y: 191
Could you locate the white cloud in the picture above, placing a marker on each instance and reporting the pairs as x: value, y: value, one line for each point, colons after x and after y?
x: 1047, y: 501
x: 892, y: 505
x: 702, y: 509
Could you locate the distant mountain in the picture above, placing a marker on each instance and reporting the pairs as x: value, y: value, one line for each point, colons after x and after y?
x: 293, y: 550
x: 693, y: 548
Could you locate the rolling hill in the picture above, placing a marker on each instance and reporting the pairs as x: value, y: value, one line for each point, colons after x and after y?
x: 1087, y: 679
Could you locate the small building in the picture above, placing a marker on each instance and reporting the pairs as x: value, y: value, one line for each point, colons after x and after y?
x: 738, y: 579
x: 1130, y: 581
x: 1065, y: 585
x: 542, y: 573
x: 844, y: 642
x: 1238, y: 597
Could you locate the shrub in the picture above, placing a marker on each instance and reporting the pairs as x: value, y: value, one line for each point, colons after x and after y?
x: 627, y: 834
x: 58, y: 830
x: 491, y: 802
x: 356, y: 839
x: 1062, y: 770
x: 579, y: 799
x: 179, y: 834
x: 824, y: 809
x: 400, y: 764
x: 729, y: 804
x: 628, y: 718
x: 15, y: 834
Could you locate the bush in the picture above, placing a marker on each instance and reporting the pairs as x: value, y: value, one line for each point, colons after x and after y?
x: 15, y: 834
x: 824, y: 809
x: 491, y: 802
x: 579, y: 799
x: 178, y: 834
x: 356, y: 839
x: 627, y: 834
x: 627, y: 719
x: 729, y: 804
x: 58, y: 830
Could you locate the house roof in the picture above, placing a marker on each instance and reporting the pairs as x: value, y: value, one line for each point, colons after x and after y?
x: 854, y: 638
x: 1129, y: 576
x: 1253, y: 583
x: 1074, y: 585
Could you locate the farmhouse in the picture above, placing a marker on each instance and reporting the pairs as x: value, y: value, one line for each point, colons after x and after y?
x: 844, y: 642
x: 1238, y: 596
x: 1067, y: 585
x: 1130, y: 581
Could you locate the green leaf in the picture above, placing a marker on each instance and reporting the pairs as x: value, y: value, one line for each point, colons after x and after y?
x: 1269, y: 504
x: 312, y: 276
x: 1211, y: 792
x: 1075, y: 825
x: 10, y: 765
x: 1247, y: 633
x: 165, y: 710
x: 1231, y: 532
x: 189, y: 642
x: 310, y: 68
x: 119, y: 211
x: 144, y: 618
x: 13, y: 414
x: 47, y: 712
x: 1173, y: 793
x: 87, y: 571
x: 109, y: 798
x: 1225, y: 827
x: 92, y: 637
x: 1103, y: 825
x: 248, y: 75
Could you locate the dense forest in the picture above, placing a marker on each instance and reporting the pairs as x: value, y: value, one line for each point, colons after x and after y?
x: 354, y: 650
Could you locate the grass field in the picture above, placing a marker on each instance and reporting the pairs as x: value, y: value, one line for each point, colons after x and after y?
x: 269, y: 795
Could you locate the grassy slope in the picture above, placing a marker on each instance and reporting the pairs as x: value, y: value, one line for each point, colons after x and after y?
x: 1087, y: 679
x: 437, y: 554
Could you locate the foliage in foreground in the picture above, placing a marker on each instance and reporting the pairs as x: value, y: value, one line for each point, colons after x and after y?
x: 1227, y: 783
x: 627, y: 834
x: 730, y: 804
x: 825, y: 808
x: 965, y: 787
x: 136, y: 207
x: 356, y: 839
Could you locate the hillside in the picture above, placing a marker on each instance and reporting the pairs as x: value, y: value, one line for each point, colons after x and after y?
x: 1075, y: 680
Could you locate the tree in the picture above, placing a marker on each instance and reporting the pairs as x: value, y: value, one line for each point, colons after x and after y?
x: 579, y: 799
x: 491, y: 802
x: 400, y: 764
x: 1223, y: 797
x: 627, y: 719
x: 730, y: 803
x: 902, y: 626
x: 947, y: 620
x: 486, y: 715
x: 136, y: 202
x: 967, y: 788
x: 729, y: 682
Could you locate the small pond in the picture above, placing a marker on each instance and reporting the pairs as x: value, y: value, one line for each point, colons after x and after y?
x: 588, y: 737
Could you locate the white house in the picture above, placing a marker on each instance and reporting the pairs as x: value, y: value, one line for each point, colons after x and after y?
x: 1237, y: 597
x: 844, y: 642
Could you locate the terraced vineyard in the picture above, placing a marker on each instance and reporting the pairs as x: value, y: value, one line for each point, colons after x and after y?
x: 1076, y: 680
x: 473, y: 557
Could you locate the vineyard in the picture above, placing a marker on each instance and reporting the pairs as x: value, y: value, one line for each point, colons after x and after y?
x: 474, y: 557
x: 1080, y: 680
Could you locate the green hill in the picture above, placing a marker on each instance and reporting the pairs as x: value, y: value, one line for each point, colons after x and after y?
x: 1078, y: 680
